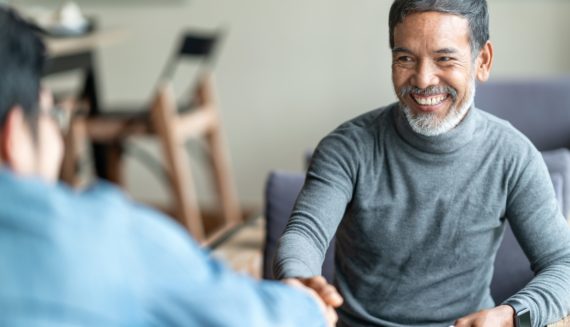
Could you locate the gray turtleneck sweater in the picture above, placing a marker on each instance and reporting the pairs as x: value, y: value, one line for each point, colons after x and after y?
x: 420, y: 219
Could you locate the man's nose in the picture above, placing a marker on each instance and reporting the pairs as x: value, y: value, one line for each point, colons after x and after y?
x: 425, y: 75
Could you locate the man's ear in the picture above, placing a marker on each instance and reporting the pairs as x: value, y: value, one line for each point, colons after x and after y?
x: 16, y: 142
x: 6, y: 135
x: 485, y: 62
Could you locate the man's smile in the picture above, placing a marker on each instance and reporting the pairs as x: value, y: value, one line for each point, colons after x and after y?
x: 429, y: 102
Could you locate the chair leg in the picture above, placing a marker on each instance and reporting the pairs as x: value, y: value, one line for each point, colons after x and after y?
x: 223, y: 178
x: 178, y: 170
x: 72, y: 139
x: 221, y: 170
x: 115, y: 163
x: 70, y: 159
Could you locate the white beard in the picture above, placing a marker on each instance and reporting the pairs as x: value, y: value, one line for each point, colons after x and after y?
x: 429, y: 124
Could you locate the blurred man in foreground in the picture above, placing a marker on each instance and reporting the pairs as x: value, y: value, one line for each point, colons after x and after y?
x: 95, y: 258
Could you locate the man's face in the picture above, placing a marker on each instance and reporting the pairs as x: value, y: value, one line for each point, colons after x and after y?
x: 28, y: 154
x: 433, y: 71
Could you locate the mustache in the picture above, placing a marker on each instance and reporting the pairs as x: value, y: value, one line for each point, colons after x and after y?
x: 430, y: 90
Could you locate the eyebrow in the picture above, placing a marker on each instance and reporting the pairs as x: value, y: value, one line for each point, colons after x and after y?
x: 400, y: 49
x: 446, y: 51
x: 439, y: 51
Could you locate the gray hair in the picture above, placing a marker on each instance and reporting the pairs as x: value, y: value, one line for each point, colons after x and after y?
x: 475, y: 11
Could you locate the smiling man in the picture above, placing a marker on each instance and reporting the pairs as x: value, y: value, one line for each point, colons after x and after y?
x: 418, y: 192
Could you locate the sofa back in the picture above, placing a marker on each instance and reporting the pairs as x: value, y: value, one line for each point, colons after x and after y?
x: 539, y: 108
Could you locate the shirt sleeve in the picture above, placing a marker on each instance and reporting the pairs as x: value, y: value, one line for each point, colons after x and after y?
x: 189, y: 288
x: 319, y: 208
x: 544, y: 235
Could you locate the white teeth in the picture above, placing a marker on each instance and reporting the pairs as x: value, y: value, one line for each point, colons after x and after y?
x: 430, y: 101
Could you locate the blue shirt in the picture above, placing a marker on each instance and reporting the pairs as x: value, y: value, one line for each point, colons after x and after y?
x: 95, y: 258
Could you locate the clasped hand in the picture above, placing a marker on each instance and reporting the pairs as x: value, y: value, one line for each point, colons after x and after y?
x: 324, y: 293
x: 501, y: 316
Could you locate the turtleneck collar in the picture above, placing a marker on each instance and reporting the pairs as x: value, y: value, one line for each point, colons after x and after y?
x: 447, y: 142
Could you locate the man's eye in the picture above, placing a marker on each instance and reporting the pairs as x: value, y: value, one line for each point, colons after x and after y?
x: 404, y: 59
x: 444, y: 59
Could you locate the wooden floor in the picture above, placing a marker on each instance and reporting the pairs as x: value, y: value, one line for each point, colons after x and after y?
x: 243, y: 250
x: 562, y: 323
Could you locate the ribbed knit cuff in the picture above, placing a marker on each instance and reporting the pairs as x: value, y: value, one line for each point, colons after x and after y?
x: 290, y: 268
x: 518, y: 306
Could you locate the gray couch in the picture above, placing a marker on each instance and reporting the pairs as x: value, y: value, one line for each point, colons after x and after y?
x: 538, y: 108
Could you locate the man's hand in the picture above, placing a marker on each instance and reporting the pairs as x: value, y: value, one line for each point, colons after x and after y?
x: 501, y: 316
x: 327, y: 310
x: 319, y: 284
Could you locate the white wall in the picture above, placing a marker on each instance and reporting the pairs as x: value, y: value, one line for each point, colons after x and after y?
x: 290, y: 71
x: 532, y: 38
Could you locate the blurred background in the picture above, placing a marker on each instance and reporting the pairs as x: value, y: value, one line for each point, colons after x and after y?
x: 288, y: 72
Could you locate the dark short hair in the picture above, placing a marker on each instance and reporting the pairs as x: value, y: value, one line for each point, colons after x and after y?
x: 22, y: 55
x: 475, y: 11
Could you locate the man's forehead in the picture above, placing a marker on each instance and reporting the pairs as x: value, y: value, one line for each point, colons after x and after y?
x: 440, y: 32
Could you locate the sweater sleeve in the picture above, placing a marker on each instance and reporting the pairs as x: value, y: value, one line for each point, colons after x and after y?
x: 319, y: 208
x: 544, y: 235
x: 186, y: 287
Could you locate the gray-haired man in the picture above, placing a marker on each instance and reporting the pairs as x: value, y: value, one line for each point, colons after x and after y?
x: 420, y: 191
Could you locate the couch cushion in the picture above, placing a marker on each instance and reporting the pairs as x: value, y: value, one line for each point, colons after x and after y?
x: 281, y: 192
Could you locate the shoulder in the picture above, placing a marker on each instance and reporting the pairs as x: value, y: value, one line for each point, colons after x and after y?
x: 361, y: 130
x: 513, y: 152
x: 505, y: 137
x: 143, y: 222
x: 366, y: 122
x: 101, y: 216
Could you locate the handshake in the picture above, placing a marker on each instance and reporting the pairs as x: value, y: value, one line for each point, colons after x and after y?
x: 324, y: 293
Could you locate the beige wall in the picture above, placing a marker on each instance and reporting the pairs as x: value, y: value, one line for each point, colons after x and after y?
x: 290, y: 71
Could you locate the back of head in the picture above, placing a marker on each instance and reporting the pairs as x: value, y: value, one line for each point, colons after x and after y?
x: 21, y: 63
x: 475, y: 11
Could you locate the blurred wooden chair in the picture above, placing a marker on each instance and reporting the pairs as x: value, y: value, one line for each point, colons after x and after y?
x: 174, y: 126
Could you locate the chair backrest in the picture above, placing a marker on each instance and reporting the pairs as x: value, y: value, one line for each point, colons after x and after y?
x: 539, y: 108
x: 197, y: 45
x: 196, y: 116
x: 281, y: 191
